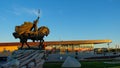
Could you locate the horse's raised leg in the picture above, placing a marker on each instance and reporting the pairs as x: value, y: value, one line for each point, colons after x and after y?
x: 27, y: 44
x: 41, y: 44
x: 22, y: 45
x: 25, y: 41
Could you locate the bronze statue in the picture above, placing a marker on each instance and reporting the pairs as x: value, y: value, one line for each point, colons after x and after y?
x: 29, y: 30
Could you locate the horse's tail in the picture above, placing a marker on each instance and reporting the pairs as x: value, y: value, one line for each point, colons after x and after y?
x: 16, y: 35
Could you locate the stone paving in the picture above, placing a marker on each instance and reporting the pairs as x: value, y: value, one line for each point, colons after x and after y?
x: 80, y: 56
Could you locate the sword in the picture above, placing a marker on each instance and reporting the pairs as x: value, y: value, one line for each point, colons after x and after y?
x: 38, y: 12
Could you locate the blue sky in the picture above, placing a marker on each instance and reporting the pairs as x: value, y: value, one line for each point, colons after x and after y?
x: 66, y: 19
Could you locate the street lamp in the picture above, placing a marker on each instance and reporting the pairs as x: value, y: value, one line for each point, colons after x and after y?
x: 108, y: 49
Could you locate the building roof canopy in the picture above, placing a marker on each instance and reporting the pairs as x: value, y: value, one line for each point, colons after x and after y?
x: 78, y: 42
x: 74, y: 42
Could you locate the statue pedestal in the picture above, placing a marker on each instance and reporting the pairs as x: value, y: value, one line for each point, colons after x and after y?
x: 26, y: 58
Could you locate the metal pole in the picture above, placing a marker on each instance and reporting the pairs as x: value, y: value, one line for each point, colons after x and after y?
x: 116, y: 49
x: 108, y: 49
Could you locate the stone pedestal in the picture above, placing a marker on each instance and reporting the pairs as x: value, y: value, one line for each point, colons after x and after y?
x: 26, y: 58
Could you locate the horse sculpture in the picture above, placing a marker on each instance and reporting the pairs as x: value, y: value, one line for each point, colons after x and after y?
x: 25, y: 32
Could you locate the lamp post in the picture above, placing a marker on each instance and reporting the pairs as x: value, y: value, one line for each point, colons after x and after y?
x: 116, y: 48
x: 108, y: 49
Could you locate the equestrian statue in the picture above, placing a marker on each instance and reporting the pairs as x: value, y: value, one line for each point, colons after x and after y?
x: 29, y: 30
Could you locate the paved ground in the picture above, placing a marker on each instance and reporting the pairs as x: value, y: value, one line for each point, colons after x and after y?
x: 61, y: 57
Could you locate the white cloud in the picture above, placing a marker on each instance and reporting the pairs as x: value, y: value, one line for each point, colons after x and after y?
x: 31, y: 11
x: 22, y: 11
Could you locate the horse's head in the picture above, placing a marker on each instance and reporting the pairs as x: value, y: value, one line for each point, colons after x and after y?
x: 43, y: 31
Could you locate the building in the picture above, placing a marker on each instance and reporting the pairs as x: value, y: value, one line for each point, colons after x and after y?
x: 75, y: 45
x: 62, y: 46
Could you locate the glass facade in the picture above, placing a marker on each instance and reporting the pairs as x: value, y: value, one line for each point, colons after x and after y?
x: 70, y: 48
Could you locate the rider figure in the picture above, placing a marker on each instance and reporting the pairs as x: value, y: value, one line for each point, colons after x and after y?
x: 35, y: 24
x: 35, y: 28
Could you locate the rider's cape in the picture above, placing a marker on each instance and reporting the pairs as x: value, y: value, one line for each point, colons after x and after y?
x: 24, y: 28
